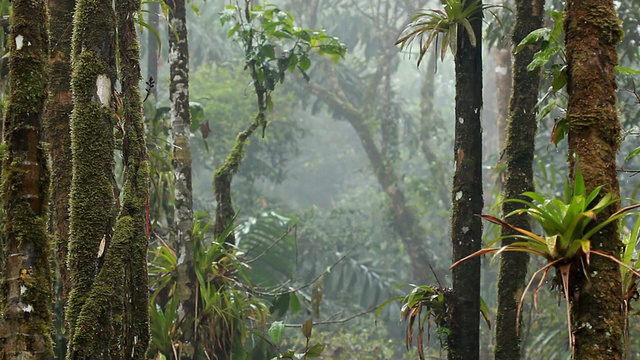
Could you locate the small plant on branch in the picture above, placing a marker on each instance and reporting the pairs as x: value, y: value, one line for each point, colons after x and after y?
x: 429, y: 25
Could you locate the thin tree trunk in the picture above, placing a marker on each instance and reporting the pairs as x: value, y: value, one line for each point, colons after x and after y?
x: 92, y: 202
x: 467, y: 202
x: 518, y: 154
x: 592, y: 32
x: 133, y: 220
x: 27, y: 290
x: 153, y: 48
x: 183, y: 193
x: 502, y: 72
x: 58, y: 133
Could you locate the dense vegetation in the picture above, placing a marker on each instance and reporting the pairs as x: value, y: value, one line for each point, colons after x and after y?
x: 279, y: 180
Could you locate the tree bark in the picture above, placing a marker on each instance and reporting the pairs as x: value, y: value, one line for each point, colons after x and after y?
x: 27, y: 290
x: 518, y: 153
x: 183, y: 193
x: 467, y: 201
x: 592, y: 32
x: 133, y: 220
x: 92, y: 202
x: 58, y: 134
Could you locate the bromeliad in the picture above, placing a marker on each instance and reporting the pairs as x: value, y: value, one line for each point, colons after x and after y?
x: 568, y: 225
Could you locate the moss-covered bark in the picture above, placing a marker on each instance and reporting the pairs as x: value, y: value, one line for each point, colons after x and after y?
x: 111, y: 320
x: 466, y: 227
x: 57, y: 123
x: 26, y: 288
x: 518, y: 153
x: 92, y: 143
x: 592, y: 32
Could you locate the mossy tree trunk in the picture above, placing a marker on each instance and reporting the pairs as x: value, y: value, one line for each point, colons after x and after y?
x: 518, y: 154
x: 133, y: 220
x: 26, y: 289
x: 592, y: 32
x: 57, y: 122
x: 92, y: 202
x: 183, y: 193
x: 467, y: 202
x: 153, y: 48
x: 109, y: 320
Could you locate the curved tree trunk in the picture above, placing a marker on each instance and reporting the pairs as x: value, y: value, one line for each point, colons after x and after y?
x: 518, y: 153
x: 183, y: 193
x: 467, y: 201
x: 26, y: 289
x: 58, y: 133
x: 405, y: 220
x: 92, y: 203
x: 592, y: 33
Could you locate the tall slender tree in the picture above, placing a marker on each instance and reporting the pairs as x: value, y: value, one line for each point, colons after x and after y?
x: 466, y: 195
x: 592, y: 31
x: 518, y: 154
x: 460, y: 25
x: 58, y: 134
x: 183, y: 193
x: 26, y: 290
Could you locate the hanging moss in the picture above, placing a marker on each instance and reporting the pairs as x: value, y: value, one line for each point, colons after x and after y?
x: 26, y: 289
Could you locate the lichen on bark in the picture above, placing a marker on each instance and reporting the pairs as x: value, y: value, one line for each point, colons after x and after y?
x: 26, y: 290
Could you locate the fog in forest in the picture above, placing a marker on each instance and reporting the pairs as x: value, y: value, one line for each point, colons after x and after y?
x: 312, y: 167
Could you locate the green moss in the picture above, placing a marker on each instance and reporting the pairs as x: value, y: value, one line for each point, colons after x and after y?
x: 26, y: 289
x: 92, y: 143
x: 224, y: 176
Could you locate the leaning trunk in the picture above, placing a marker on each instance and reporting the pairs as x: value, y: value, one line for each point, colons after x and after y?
x: 518, y: 153
x: 592, y: 33
x: 26, y: 289
x: 466, y: 228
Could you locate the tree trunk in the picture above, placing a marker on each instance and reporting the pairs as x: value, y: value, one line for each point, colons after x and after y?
x: 133, y: 220
x: 502, y: 72
x: 183, y: 193
x: 26, y: 290
x: 92, y: 188
x: 592, y: 33
x: 153, y: 49
x: 467, y: 202
x: 58, y: 133
x: 518, y: 153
